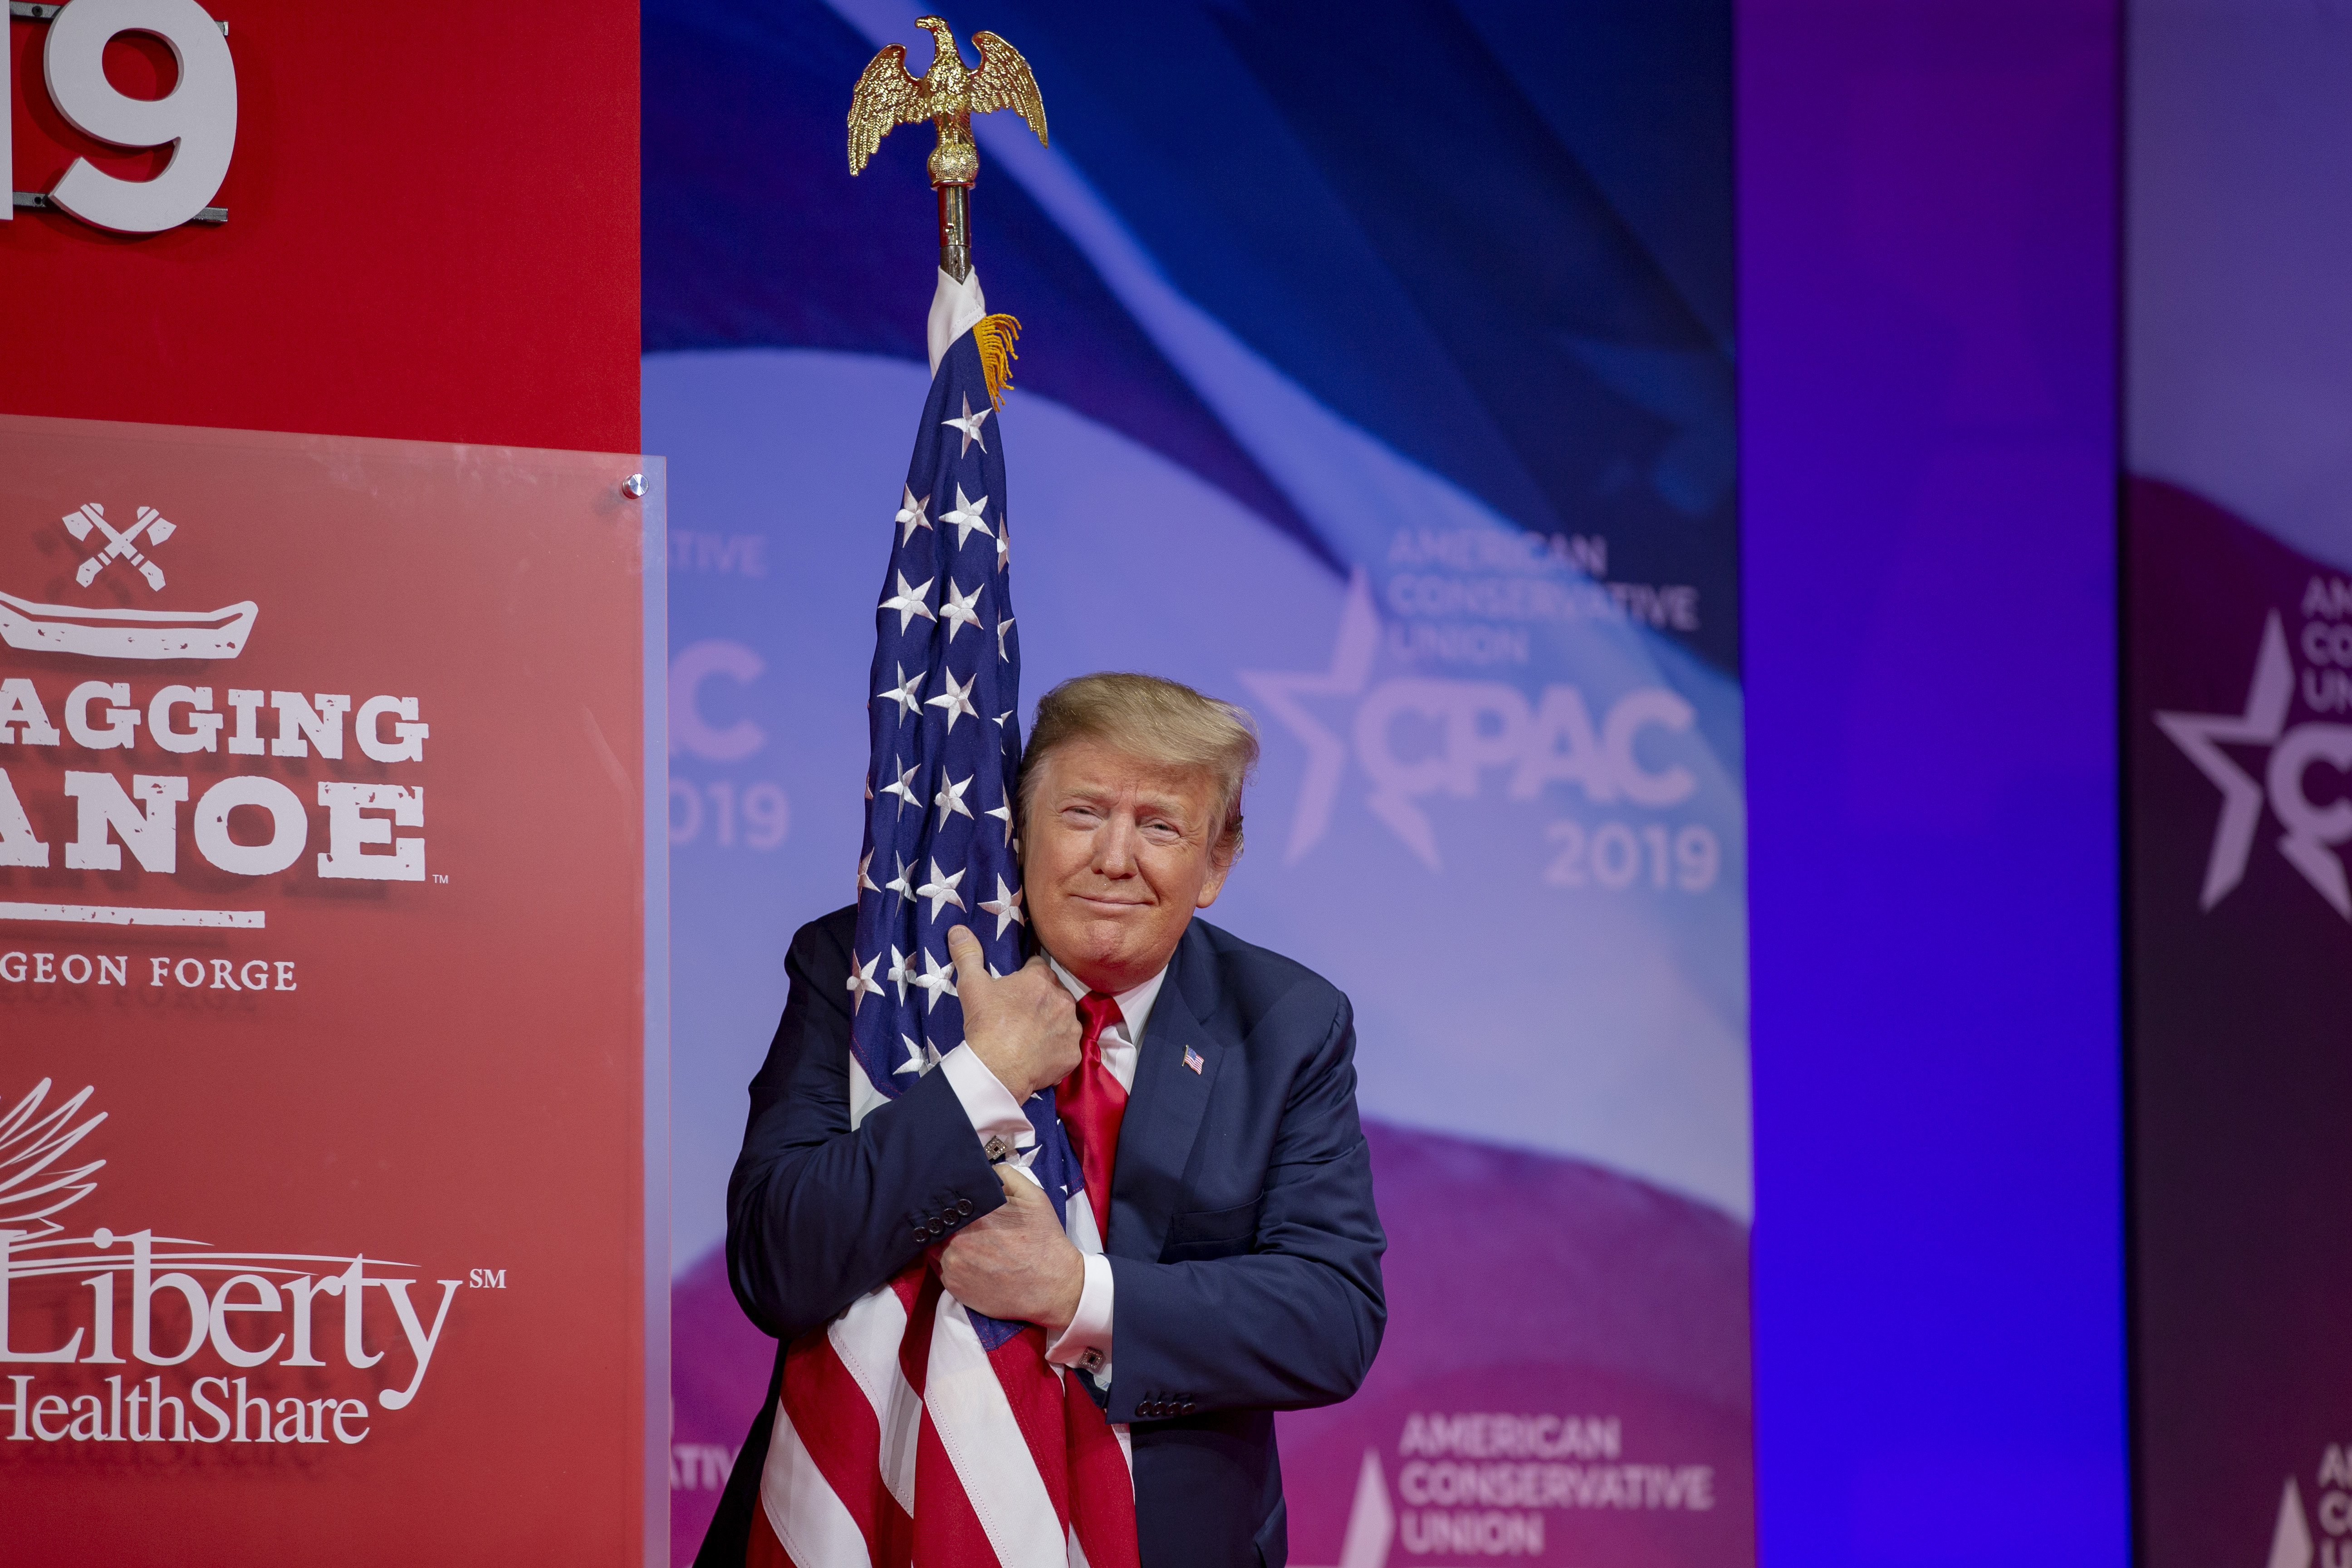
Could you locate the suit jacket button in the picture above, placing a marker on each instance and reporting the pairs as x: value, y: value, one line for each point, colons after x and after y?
x: 921, y: 1235
x: 937, y: 1227
x: 963, y: 1206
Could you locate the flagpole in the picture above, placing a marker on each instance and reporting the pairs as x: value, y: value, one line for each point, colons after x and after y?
x: 954, y: 165
x: 947, y: 95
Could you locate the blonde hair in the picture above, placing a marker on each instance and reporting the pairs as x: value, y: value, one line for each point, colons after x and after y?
x: 1159, y: 720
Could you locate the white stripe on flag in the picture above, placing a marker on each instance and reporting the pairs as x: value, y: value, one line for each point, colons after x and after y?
x: 863, y: 1096
x: 814, y: 1525
x: 866, y: 1339
x: 984, y: 1444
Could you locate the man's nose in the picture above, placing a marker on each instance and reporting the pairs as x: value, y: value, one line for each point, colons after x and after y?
x: 1114, y: 848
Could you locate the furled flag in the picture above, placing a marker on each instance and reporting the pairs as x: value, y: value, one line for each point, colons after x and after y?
x: 911, y: 1429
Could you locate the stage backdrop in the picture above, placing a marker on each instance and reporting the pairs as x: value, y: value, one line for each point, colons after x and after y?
x: 1377, y: 375
x: 2239, y: 540
x: 330, y: 983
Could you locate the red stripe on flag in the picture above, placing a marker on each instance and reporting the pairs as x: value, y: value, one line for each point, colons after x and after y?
x: 1101, y: 1489
x: 765, y: 1551
x: 947, y: 1531
x: 836, y: 1425
x: 915, y: 1349
x: 1036, y: 1395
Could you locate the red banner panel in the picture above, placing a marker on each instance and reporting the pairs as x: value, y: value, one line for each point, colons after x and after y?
x: 323, y: 997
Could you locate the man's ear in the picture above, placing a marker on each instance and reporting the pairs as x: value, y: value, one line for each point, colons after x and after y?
x: 1220, y: 867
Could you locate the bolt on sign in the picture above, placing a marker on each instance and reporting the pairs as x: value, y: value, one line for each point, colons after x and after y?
x: 330, y: 987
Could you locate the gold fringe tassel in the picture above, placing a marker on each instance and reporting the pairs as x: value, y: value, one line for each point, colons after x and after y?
x: 993, y: 336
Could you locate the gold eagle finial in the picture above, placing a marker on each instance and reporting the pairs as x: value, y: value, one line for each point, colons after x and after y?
x: 948, y: 95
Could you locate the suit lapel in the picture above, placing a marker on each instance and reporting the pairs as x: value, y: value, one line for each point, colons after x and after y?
x: 1165, y: 1106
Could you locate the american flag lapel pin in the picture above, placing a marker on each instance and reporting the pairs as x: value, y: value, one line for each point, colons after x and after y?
x: 1191, y: 1059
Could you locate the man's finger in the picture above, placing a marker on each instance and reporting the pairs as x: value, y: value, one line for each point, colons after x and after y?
x: 963, y: 951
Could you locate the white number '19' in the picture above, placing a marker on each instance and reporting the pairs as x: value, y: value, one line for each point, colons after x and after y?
x: 197, y: 119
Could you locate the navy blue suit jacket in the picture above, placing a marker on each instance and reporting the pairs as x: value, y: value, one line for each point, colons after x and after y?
x: 1244, y: 1246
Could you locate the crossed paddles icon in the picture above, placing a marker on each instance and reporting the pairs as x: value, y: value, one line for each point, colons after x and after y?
x: 122, y: 546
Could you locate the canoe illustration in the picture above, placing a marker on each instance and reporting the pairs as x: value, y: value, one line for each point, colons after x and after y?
x: 126, y: 634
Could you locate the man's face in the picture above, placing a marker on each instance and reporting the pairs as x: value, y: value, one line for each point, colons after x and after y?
x: 1114, y: 856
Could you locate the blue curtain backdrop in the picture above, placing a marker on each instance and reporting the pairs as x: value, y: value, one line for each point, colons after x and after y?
x: 1377, y: 372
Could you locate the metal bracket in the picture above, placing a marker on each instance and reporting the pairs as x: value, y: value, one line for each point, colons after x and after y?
x: 26, y: 11
x: 36, y: 202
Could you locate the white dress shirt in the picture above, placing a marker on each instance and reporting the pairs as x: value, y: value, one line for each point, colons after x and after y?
x: 996, y: 1115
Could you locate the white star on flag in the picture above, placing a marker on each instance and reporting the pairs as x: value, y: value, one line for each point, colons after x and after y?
x: 1004, y: 540
x: 902, y: 970
x: 940, y: 889
x: 970, y: 424
x: 909, y: 602
x: 1005, y: 906
x: 956, y: 699
x: 969, y: 514
x: 911, y: 515
x: 865, y: 882
x: 950, y: 800
x: 905, y: 694
x: 1003, y: 626
x: 934, y: 980
x: 1004, y: 815
x: 959, y: 610
x: 862, y: 984
x: 914, y: 1062
x: 897, y: 884
x: 904, y: 788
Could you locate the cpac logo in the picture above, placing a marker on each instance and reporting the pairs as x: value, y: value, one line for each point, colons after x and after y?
x: 2312, y: 829
x: 2292, y: 1542
x: 123, y: 634
x: 264, y: 1313
x: 1416, y: 737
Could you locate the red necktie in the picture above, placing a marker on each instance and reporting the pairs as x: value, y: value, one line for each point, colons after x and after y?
x: 1092, y: 1104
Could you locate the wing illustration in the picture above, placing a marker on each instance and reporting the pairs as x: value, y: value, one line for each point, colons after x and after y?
x: 1004, y: 81
x: 31, y: 1145
x: 885, y: 97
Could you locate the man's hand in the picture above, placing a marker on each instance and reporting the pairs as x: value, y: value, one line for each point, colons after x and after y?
x: 1015, y: 1263
x: 1023, y: 1028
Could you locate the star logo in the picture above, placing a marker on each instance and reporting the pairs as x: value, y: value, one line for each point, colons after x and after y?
x: 970, y: 424
x: 2311, y: 830
x: 960, y: 609
x: 940, y: 890
x: 1005, y: 906
x: 1326, y: 754
x: 969, y: 514
x: 909, y: 602
x: 911, y: 515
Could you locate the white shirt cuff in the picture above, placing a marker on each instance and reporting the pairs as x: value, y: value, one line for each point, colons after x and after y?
x: 1086, y: 1343
x: 994, y: 1114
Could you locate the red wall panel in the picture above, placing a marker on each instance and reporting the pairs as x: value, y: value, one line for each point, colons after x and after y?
x: 432, y: 235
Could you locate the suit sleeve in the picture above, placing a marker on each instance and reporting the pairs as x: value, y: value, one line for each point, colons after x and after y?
x: 818, y: 1214
x: 1296, y: 1322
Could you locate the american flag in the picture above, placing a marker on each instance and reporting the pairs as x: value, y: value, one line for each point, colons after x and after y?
x: 911, y: 1429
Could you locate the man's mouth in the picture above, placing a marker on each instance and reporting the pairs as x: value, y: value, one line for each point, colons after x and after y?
x: 1102, y: 902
